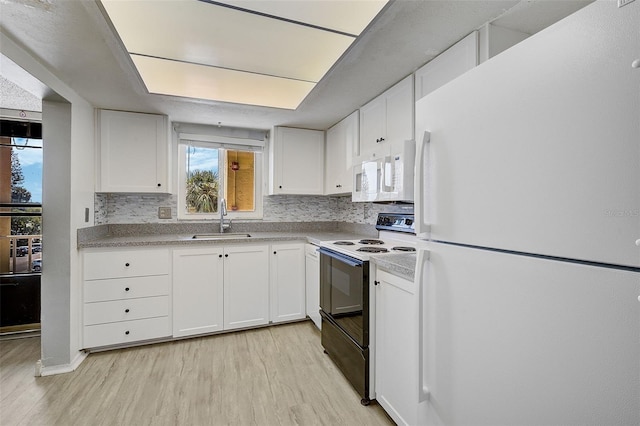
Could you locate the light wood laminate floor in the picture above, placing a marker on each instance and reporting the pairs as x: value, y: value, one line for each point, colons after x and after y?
x: 270, y: 376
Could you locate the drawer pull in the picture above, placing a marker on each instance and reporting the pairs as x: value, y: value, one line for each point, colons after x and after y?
x: 126, y: 264
x: 126, y: 332
x: 126, y: 289
x: 126, y: 311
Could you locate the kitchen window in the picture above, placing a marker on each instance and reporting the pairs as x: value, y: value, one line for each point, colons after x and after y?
x: 211, y: 168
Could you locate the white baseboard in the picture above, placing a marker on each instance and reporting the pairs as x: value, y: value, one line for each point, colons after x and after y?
x: 60, y: 369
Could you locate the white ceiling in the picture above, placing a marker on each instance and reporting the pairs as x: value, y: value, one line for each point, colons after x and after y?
x: 76, y: 42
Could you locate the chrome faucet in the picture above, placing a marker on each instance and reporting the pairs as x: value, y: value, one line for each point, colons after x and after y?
x: 223, y: 213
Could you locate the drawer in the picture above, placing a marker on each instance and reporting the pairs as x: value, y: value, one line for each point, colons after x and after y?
x: 126, y: 332
x: 125, y: 288
x: 125, y: 310
x: 125, y: 263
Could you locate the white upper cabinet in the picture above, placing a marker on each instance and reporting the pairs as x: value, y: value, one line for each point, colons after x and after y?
x: 450, y: 64
x: 493, y: 39
x: 133, y: 152
x: 296, y: 160
x: 342, y: 140
x: 389, y: 117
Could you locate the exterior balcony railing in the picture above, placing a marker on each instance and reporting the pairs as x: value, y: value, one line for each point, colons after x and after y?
x: 22, y: 258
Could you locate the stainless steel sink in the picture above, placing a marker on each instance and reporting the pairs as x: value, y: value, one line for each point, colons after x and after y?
x: 230, y: 236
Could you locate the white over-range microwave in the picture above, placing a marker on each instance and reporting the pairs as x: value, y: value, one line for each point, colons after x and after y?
x: 388, y: 178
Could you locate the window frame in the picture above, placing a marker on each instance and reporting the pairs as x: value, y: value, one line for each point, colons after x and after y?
x: 224, y: 144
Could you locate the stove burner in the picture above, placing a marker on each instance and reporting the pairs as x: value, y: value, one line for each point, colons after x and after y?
x: 344, y: 243
x: 365, y: 241
x: 373, y: 249
x: 402, y: 248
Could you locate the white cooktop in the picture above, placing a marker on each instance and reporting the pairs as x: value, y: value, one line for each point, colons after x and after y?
x: 386, y: 243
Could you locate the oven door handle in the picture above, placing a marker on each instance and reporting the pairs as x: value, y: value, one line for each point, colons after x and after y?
x: 341, y: 257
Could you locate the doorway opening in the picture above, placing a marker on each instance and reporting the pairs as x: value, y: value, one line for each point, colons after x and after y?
x: 21, y: 263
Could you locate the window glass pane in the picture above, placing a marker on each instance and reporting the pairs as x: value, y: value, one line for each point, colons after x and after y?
x: 240, y: 181
x: 209, y: 171
x: 20, y: 205
x: 203, y: 179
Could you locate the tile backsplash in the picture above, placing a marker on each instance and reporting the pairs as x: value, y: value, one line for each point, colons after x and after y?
x: 143, y: 208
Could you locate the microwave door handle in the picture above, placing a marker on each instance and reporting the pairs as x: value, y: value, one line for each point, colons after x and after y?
x: 342, y: 258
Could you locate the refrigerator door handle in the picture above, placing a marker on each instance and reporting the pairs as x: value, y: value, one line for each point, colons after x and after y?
x: 421, y: 287
x: 420, y: 196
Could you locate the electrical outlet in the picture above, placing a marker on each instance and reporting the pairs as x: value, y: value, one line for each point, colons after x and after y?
x: 164, y: 212
x: 624, y: 2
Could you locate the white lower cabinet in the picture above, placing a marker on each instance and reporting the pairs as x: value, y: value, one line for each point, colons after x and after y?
x: 246, y: 286
x: 141, y: 294
x: 125, y: 295
x: 287, y: 282
x: 220, y: 288
x: 312, y: 280
x: 197, y: 291
x: 396, y: 347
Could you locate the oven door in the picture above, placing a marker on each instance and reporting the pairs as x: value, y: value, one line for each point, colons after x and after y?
x: 344, y: 294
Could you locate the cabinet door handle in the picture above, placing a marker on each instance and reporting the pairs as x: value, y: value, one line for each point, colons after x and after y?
x: 159, y: 185
x: 376, y: 282
x: 126, y: 264
x: 274, y: 252
x: 126, y: 332
x: 220, y: 256
x: 126, y: 311
x: 126, y: 289
x: 338, y: 186
x: 280, y: 186
x: 226, y: 255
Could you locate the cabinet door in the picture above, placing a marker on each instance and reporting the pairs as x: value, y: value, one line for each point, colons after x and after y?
x: 396, y: 347
x: 298, y: 161
x: 312, y: 280
x: 450, y: 64
x: 287, y: 282
x: 372, y: 126
x: 197, y: 291
x: 399, y: 113
x: 246, y: 286
x: 134, y: 150
x: 342, y: 139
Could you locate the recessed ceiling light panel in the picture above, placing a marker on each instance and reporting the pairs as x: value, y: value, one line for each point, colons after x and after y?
x: 347, y: 16
x: 301, y: 43
x: 204, y: 82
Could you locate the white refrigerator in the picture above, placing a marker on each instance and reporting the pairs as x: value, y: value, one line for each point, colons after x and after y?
x: 528, y: 201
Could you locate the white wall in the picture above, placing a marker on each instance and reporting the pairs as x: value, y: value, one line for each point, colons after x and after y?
x: 68, y: 174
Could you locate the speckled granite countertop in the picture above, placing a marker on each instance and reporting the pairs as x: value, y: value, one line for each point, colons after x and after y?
x: 401, y: 264
x: 158, y: 234
x: 181, y: 234
x: 313, y: 237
